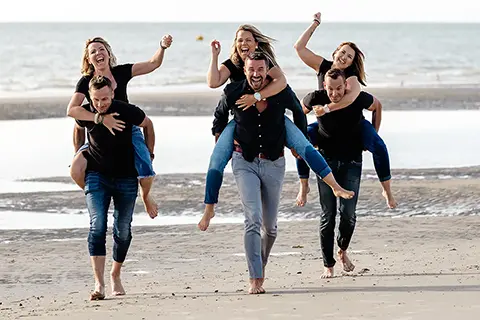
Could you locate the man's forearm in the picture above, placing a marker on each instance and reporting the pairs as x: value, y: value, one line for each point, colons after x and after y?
x: 78, y: 137
x: 376, y: 119
x: 149, y: 133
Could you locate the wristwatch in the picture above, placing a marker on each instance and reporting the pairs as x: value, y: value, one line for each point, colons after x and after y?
x: 257, y: 96
x: 326, y: 108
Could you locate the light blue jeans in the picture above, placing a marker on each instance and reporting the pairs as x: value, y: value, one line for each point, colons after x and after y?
x: 223, y: 150
x: 260, y: 185
x: 143, y: 163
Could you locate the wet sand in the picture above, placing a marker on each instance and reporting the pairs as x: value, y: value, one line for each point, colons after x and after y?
x: 450, y: 191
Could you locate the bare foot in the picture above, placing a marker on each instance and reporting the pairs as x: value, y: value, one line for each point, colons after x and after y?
x: 348, y: 266
x: 208, y: 214
x: 117, y: 287
x: 150, y: 206
x: 327, y: 273
x: 98, y: 293
x: 302, y: 195
x: 256, y: 287
x: 391, y: 203
x: 303, y: 192
x: 342, y: 193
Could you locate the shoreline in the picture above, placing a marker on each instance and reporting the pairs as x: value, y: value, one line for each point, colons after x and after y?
x: 202, y: 103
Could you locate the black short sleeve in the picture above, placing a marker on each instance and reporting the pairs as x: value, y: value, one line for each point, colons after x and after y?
x: 82, y: 86
x: 131, y: 113
x: 325, y: 66
x: 366, y: 99
x: 123, y: 72
x: 317, y: 97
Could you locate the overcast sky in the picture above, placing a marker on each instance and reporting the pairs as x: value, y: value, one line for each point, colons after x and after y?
x: 245, y: 11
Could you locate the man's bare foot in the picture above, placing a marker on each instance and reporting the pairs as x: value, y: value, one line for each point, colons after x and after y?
x: 256, y: 287
x: 117, y: 287
x: 208, y: 214
x: 391, y: 203
x: 98, y: 293
x: 327, y: 273
x: 150, y: 206
x: 302, y: 195
x: 342, y: 193
x: 348, y: 266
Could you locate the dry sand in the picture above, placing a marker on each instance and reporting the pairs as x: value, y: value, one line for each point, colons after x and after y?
x: 407, y: 268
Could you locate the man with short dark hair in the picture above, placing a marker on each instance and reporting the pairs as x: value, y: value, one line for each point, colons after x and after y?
x: 111, y: 174
x: 258, y: 162
x: 341, y: 145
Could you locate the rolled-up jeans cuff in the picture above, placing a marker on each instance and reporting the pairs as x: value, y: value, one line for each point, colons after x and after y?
x: 383, y: 179
x: 325, y: 172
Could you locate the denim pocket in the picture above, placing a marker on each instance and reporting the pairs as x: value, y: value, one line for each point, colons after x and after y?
x: 279, y: 163
x: 356, y: 163
x: 92, y: 182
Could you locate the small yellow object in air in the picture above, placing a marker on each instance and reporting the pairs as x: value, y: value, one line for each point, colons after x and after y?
x: 199, y: 38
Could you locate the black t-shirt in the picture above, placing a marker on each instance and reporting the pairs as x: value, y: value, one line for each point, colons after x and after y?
x: 327, y: 65
x: 339, y: 131
x: 122, y: 74
x: 113, y: 155
x: 236, y: 72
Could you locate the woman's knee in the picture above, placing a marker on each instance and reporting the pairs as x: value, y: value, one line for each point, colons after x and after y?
x: 79, y: 166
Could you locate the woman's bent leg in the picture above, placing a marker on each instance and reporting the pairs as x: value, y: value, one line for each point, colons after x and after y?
x: 218, y: 161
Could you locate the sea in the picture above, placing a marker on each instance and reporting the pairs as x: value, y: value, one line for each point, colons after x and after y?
x: 43, y: 59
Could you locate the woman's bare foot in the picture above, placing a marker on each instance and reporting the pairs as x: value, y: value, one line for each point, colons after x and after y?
x: 348, y: 266
x: 98, y: 293
x: 117, y: 287
x: 150, y: 206
x: 302, y: 193
x: 327, y: 273
x: 342, y: 193
x: 391, y: 203
x: 208, y: 214
x: 256, y: 287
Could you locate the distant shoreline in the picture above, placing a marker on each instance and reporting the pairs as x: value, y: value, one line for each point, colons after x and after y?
x: 202, y: 103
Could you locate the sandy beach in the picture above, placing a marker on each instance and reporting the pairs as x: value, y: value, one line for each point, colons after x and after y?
x: 406, y: 268
x: 419, y: 261
x: 203, y: 103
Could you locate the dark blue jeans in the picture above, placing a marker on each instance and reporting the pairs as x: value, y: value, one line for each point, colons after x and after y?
x: 371, y: 141
x: 348, y: 175
x: 99, y: 191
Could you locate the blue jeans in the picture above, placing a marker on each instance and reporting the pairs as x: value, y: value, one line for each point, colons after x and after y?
x: 260, y: 186
x: 143, y: 162
x: 348, y: 175
x: 99, y: 191
x: 224, y: 148
x: 371, y: 141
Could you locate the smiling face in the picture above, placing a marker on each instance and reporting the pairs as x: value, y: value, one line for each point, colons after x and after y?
x: 256, y: 73
x: 343, y: 57
x: 335, y: 88
x: 98, y: 55
x: 101, y: 98
x: 245, y: 43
